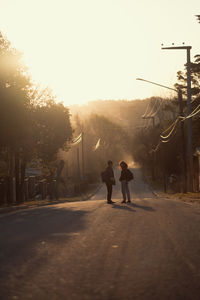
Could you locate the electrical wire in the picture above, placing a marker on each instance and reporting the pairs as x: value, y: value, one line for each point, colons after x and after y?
x: 159, y: 106
x: 148, y: 122
x: 167, y: 138
x: 167, y: 141
x: 146, y: 110
x: 172, y: 130
x: 150, y: 114
x: 192, y: 114
x: 156, y: 149
x: 77, y: 142
x: 166, y: 130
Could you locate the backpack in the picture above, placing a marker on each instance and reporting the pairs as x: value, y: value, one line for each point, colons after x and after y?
x: 104, y: 176
x: 129, y: 175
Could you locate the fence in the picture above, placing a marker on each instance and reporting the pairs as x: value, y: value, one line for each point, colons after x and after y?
x: 37, y: 189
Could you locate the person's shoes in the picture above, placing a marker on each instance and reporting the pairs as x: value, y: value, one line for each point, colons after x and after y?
x: 123, y: 201
x: 128, y: 201
x: 110, y: 202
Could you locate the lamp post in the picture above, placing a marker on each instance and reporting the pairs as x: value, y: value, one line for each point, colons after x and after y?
x: 189, y: 120
x: 83, y: 157
x: 154, y: 158
x: 180, y: 101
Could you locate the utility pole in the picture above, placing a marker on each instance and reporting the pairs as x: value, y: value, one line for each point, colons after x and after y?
x: 184, y: 157
x: 78, y: 164
x: 153, y: 153
x: 189, y: 120
x: 82, y: 148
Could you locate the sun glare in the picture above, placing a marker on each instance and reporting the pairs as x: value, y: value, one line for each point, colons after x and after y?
x: 87, y: 50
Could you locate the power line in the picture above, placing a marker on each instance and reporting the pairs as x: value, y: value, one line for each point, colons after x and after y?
x: 172, y: 130
x: 166, y: 130
x: 151, y: 114
x: 156, y: 148
x: 154, y: 105
x: 167, y: 139
x: 193, y: 113
x: 147, y: 108
x: 159, y: 106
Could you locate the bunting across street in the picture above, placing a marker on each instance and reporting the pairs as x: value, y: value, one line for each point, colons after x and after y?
x: 97, y: 145
x: 77, y: 140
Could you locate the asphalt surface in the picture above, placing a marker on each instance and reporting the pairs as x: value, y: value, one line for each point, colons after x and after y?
x: 149, y: 249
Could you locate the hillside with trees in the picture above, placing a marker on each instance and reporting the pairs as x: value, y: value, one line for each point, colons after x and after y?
x: 126, y: 129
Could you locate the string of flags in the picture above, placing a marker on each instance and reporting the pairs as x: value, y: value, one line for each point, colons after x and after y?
x: 78, y: 139
x: 97, y: 145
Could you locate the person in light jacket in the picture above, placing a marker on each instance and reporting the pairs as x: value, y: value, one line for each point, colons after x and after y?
x: 125, y: 177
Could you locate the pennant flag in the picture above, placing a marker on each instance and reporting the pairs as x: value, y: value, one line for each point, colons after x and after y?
x: 97, y: 145
x: 77, y: 140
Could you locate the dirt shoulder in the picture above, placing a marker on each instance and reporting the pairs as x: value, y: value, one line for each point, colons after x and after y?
x: 189, y: 197
x: 192, y: 198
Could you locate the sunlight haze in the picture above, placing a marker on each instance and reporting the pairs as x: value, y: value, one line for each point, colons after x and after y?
x: 95, y: 49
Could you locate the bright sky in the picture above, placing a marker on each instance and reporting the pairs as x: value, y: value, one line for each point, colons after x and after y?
x: 94, y: 49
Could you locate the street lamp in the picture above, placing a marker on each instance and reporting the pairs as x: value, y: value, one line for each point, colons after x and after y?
x: 180, y: 101
x: 189, y: 120
x: 198, y: 18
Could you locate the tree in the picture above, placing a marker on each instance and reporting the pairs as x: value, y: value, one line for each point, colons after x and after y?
x: 32, y: 124
x: 195, y: 91
x: 195, y: 78
x: 14, y: 105
x: 52, y: 130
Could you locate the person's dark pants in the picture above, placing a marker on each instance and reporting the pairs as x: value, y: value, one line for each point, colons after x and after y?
x: 109, y: 191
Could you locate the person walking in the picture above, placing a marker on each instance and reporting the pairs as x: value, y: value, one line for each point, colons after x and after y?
x: 109, y: 179
x: 125, y: 177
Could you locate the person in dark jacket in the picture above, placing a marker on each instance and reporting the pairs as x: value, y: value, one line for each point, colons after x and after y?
x: 110, y: 181
x: 125, y: 177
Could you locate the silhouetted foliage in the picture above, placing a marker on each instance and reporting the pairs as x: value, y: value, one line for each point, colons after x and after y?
x: 195, y: 91
x: 52, y: 130
x: 195, y: 78
x: 32, y: 124
x: 14, y: 102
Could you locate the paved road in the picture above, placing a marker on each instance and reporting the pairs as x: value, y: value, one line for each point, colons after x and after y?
x: 92, y: 250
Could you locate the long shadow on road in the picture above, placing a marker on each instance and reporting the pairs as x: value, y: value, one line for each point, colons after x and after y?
x: 124, y: 207
x: 148, y: 208
x: 22, y: 234
x: 131, y: 206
